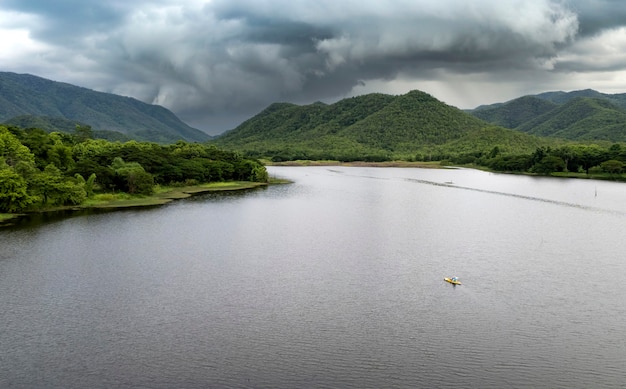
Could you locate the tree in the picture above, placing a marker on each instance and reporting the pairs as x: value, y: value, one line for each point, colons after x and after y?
x: 39, y: 142
x: 132, y: 177
x: 12, y: 151
x: 549, y: 164
x: 13, y: 191
x: 511, y: 163
x: 259, y: 174
x: 61, y: 156
x: 82, y: 133
x: 588, y: 156
x: 494, y: 152
x: 612, y: 166
x: 567, y: 155
x: 55, y: 189
x: 90, y: 184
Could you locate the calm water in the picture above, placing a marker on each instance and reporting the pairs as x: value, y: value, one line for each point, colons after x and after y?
x: 335, y: 281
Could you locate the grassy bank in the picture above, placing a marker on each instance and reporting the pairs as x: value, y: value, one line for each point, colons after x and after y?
x: 163, y: 195
x: 7, y: 216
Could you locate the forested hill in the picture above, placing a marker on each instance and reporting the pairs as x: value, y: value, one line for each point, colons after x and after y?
x: 618, y: 99
x: 27, y: 95
x: 580, y: 115
x: 582, y: 118
x: 515, y: 112
x: 369, y: 126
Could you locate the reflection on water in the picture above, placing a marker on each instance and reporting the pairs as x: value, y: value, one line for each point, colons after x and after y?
x: 333, y: 281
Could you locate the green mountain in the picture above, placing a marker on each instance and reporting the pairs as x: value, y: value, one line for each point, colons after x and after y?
x: 579, y: 115
x: 370, y: 127
x: 564, y: 97
x: 581, y: 118
x: 515, y: 112
x: 25, y: 94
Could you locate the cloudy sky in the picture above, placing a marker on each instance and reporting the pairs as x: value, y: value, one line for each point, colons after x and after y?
x: 216, y: 63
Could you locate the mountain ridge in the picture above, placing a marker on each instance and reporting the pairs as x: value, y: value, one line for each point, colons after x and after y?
x: 579, y: 115
x: 373, y: 126
x: 26, y: 94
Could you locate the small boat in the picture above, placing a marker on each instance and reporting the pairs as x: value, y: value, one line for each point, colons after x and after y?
x: 453, y: 280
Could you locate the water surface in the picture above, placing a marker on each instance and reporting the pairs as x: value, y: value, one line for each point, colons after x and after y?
x: 333, y: 281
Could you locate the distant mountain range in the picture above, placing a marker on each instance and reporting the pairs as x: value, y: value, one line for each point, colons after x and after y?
x: 373, y: 126
x: 579, y: 115
x: 31, y: 101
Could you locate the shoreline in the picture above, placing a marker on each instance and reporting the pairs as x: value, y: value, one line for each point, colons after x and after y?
x: 438, y: 165
x: 160, y: 197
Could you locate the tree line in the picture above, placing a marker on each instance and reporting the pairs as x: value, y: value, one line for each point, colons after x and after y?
x: 589, y: 159
x: 40, y: 170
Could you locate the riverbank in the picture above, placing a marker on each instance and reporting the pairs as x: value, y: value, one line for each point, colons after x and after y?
x: 162, y: 195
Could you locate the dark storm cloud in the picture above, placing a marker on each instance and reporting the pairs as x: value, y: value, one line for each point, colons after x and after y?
x: 596, y: 16
x: 216, y: 63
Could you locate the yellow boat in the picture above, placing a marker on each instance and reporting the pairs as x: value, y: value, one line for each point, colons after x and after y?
x: 453, y: 280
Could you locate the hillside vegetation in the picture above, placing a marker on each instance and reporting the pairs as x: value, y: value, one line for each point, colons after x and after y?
x: 585, y: 115
x: 24, y: 94
x: 582, y: 118
x: 369, y: 127
x: 40, y: 170
x: 516, y: 112
x: 418, y: 127
x: 53, y: 124
x: 618, y: 99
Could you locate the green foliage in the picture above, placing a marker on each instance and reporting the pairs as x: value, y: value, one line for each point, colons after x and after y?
x: 612, y: 166
x: 131, y: 177
x: 89, y: 184
x: 548, y: 164
x: 54, y: 189
x: 581, y: 119
x: 59, y: 153
x: 594, y: 160
x: 515, y: 112
x: 12, y: 151
x: 564, y: 97
x: 55, y: 176
x: 372, y: 127
x: 13, y: 191
x: 83, y: 132
x: 417, y: 127
x: 581, y: 115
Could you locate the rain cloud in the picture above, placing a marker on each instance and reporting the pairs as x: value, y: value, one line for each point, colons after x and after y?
x: 216, y: 63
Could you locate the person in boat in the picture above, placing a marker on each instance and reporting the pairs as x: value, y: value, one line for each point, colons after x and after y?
x: 455, y: 279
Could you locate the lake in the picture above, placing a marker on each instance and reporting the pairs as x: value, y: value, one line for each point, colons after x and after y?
x: 334, y: 281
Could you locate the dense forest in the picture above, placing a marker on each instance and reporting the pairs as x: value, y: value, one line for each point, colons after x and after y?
x: 40, y: 170
x: 373, y: 127
x: 574, y: 160
x: 581, y: 118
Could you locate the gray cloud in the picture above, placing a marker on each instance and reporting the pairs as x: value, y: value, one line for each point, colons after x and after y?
x: 216, y: 63
x: 598, y: 15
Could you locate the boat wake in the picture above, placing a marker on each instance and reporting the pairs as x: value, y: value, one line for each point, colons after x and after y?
x: 519, y: 196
